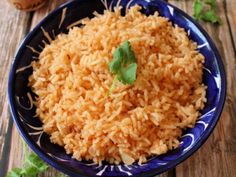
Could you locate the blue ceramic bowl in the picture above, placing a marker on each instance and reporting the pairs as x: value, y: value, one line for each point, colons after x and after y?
x: 21, y: 96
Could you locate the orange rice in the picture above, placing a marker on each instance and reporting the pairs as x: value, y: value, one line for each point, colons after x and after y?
x: 133, y: 122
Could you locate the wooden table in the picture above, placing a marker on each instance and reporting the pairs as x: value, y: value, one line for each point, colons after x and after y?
x: 216, y: 158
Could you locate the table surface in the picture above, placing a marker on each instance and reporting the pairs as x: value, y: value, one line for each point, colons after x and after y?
x: 216, y: 158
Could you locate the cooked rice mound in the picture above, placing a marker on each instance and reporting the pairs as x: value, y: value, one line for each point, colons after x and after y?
x: 133, y: 122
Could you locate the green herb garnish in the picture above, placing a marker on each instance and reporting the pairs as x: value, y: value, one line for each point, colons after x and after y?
x: 32, y: 167
x: 206, y: 10
x: 123, y: 64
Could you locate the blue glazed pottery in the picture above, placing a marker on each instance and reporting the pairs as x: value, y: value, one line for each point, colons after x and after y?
x: 21, y: 97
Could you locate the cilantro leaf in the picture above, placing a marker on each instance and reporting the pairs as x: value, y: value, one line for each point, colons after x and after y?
x: 123, y: 64
x: 211, y: 2
x: 129, y: 54
x: 115, y: 64
x: 211, y: 16
x: 198, y: 7
x: 128, y: 75
x: 16, y: 172
x: 29, y: 171
x: 34, y: 161
x: 206, y: 10
x: 33, y: 166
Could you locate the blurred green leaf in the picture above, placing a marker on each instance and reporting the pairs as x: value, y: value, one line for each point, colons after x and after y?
x: 206, y: 10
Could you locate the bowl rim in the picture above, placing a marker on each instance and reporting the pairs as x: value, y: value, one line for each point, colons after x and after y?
x: 202, y: 139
